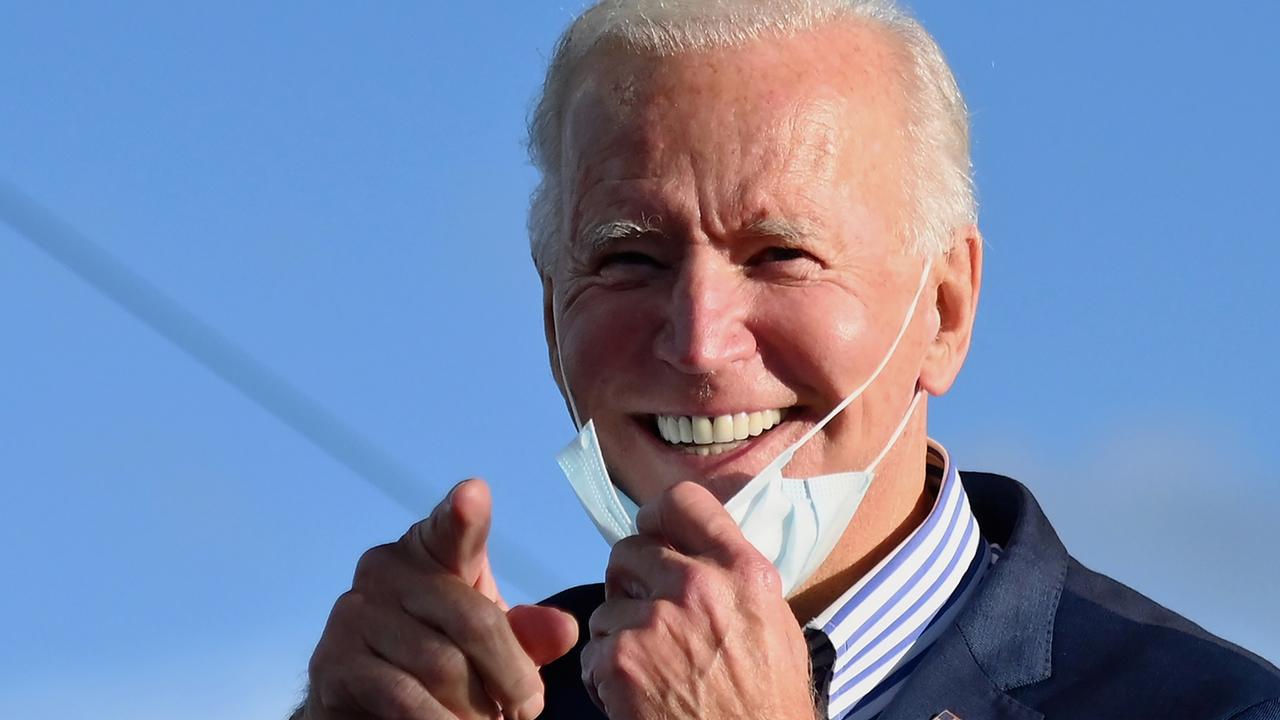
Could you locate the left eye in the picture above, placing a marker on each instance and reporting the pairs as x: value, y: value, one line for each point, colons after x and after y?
x: 628, y: 258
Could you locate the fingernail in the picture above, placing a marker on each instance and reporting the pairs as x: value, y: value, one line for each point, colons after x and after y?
x: 448, y: 499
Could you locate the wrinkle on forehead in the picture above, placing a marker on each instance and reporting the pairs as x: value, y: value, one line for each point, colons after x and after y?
x: 668, y: 144
x: 775, y: 111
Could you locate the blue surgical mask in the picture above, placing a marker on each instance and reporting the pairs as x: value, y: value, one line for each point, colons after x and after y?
x: 795, y: 522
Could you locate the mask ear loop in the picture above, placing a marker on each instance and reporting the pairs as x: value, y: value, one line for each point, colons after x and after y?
x: 884, y: 362
x: 564, y: 377
x: 902, y: 426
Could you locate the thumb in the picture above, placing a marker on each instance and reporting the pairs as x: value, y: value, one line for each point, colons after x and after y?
x: 689, y: 518
x: 545, y: 633
x: 455, y: 534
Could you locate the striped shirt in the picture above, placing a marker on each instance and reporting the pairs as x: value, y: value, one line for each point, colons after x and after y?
x: 870, y: 639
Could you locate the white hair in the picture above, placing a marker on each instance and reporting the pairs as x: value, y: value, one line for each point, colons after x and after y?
x: 939, y: 174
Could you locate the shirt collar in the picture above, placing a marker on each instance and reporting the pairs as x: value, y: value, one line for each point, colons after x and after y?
x: 882, y: 625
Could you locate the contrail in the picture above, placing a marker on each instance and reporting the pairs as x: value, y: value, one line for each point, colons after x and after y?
x: 259, y: 383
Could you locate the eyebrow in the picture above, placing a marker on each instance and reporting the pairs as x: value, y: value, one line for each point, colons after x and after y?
x: 602, y: 235
x: 773, y: 227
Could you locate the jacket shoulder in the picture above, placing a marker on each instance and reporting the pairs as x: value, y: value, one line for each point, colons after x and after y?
x: 1115, y: 648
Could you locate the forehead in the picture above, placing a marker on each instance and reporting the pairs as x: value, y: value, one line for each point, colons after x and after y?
x: 822, y: 103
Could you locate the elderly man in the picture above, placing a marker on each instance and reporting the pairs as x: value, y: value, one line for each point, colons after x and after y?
x: 757, y: 239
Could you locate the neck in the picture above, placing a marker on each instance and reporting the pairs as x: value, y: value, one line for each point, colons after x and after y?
x: 897, y: 503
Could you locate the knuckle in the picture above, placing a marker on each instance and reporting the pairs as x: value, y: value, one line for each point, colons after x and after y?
x: 623, y: 662
x: 758, y: 572
x: 351, y: 602
x: 349, y: 612
x: 695, y: 579
x: 596, y: 623
x: 343, y: 689
x: 372, y: 565
x: 629, y: 544
x: 480, y: 624
x: 405, y: 699
x: 346, y: 615
x: 443, y: 665
x: 391, y: 699
x: 319, y: 675
x: 324, y: 661
x: 337, y: 681
x: 327, y: 693
x: 591, y: 653
x: 663, y: 613
x: 600, y: 658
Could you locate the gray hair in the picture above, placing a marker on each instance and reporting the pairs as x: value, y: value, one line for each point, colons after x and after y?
x: 939, y: 178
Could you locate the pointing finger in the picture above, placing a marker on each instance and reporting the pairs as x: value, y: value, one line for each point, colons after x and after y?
x: 455, y: 534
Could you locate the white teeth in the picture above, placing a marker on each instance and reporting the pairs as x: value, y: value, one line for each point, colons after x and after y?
x: 713, y: 449
x: 722, y: 429
x: 702, y: 431
x: 719, y: 432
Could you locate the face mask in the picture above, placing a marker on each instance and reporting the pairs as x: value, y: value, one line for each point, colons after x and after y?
x: 795, y: 522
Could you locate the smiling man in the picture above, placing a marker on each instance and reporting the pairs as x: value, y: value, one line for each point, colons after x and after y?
x: 758, y: 243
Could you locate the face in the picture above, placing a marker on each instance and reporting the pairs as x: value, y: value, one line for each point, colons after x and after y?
x: 732, y: 267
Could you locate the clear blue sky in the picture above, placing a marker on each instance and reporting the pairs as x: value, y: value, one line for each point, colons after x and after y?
x: 341, y: 193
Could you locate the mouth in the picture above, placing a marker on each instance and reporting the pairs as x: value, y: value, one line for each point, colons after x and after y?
x: 714, y: 435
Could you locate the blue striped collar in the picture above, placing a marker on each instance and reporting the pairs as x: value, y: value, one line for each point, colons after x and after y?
x: 880, y: 627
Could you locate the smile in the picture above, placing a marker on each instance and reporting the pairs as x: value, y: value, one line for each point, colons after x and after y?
x: 703, y: 435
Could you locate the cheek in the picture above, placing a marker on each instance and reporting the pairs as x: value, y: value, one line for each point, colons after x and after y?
x: 812, y: 339
x: 606, y: 344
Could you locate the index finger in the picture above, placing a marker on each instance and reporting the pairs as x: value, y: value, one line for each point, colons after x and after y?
x: 456, y: 533
x: 690, y: 519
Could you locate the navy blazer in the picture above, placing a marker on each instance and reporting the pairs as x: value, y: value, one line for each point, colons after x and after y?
x: 1043, y: 637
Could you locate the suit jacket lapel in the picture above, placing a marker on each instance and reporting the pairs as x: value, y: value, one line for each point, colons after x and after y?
x: 950, y: 680
x: 1003, y: 639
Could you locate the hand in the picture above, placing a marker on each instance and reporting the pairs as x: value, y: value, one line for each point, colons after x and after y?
x: 424, y: 634
x: 694, y: 624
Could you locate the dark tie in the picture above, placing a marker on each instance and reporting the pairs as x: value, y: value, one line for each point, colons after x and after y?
x: 822, y: 657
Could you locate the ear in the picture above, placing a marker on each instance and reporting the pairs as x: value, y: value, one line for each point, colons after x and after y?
x: 549, y: 327
x: 959, y: 281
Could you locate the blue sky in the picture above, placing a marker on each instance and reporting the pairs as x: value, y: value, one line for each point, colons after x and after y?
x: 340, y: 192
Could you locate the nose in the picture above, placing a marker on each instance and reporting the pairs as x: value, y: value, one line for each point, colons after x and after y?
x: 706, y: 325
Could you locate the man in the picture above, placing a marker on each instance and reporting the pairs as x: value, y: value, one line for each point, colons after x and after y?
x: 759, y: 251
